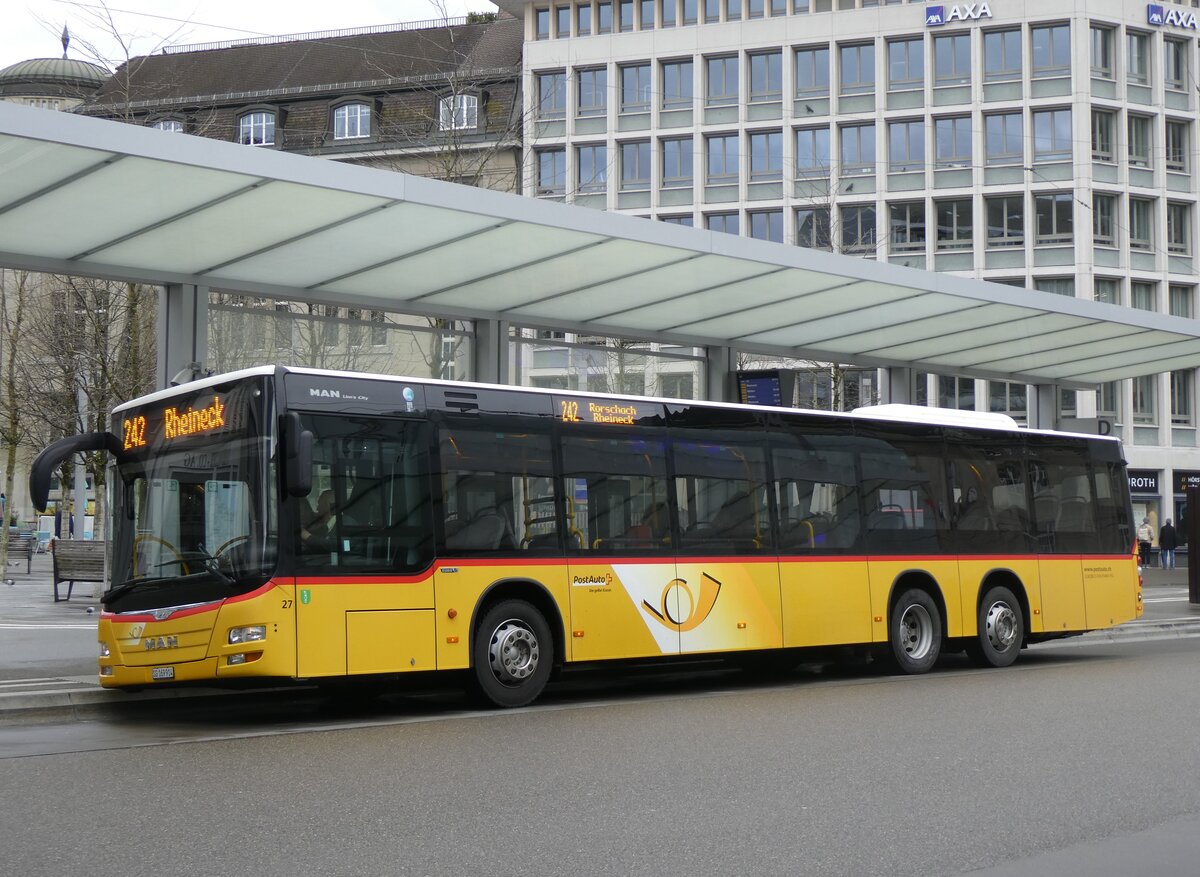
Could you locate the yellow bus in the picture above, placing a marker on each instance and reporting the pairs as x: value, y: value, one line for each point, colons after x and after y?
x: 297, y: 524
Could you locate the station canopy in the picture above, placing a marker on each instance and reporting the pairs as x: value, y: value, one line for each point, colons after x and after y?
x: 106, y: 199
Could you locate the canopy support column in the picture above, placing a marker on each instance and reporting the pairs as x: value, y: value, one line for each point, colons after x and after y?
x: 896, y: 386
x: 720, y: 374
x: 182, y: 334
x: 1042, y: 400
x: 491, y: 352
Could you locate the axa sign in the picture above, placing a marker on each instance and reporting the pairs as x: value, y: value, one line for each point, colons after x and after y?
x: 935, y: 16
x: 1160, y: 16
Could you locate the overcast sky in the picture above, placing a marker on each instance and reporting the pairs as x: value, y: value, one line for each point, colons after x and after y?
x: 31, y: 28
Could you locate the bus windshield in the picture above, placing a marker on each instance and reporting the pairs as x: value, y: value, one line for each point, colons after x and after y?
x: 194, y: 499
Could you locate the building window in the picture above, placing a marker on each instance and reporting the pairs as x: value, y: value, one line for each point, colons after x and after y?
x: 541, y: 23
x: 1177, y: 146
x: 458, y: 112
x: 1103, y: 125
x: 625, y: 15
x: 646, y: 14
x: 767, y: 225
x: 1175, y: 66
x: 724, y: 222
x: 1139, y: 141
x: 677, y: 85
x: 722, y: 159
x: 666, y: 13
x: 955, y: 229
x: 1141, y: 224
x: 906, y: 146
x: 635, y: 166
x: 1006, y: 221
x: 171, y: 126
x: 766, y: 77
x: 1106, y: 289
x: 812, y: 72
x: 858, y: 150
x: 1137, y: 57
x: 1179, y: 300
x: 686, y: 220
x: 604, y: 16
x: 906, y: 65
x: 583, y: 19
x: 1005, y: 139
x: 1055, y: 217
x: 635, y: 88
x: 1102, y: 52
x: 766, y: 156
x: 1144, y: 399
x: 1064, y: 286
x: 721, y: 89
x: 1106, y: 400
x: 689, y: 11
x: 812, y: 228
x: 812, y: 152
x: 257, y: 129
x: 1002, y: 55
x: 952, y: 59
x: 733, y: 10
x: 677, y: 163
x: 1052, y: 135
x: 1104, y: 220
x: 1181, y: 397
x: 1179, y: 228
x: 955, y: 392
x: 858, y: 229
x: 906, y: 226
x: 1008, y: 398
x: 552, y: 95
x: 1051, y: 51
x: 552, y: 171
x: 562, y: 22
x: 591, y: 164
x: 952, y: 137
x: 593, y: 92
x: 858, y: 68
x: 1142, y: 295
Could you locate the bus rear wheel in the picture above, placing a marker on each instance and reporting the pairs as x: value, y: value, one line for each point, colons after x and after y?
x: 512, y: 654
x: 915, y: 632
x: 1001, y: 630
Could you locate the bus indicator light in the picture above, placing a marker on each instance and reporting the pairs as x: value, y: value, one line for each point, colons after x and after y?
x: 452, y: 640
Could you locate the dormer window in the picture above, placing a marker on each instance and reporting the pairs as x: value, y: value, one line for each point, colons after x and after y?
x: 459, y: 112
x: 171, y: 126
x: 257, y: 129
x: 351, y: 121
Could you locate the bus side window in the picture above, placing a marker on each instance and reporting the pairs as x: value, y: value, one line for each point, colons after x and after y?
x: 816, y: 493
x: 720, y: 488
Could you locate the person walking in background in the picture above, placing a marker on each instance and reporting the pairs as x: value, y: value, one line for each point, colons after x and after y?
x: 1167, y: 542
x: 1144, y: 536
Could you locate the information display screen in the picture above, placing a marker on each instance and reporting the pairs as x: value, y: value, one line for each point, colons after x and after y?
x: 766, y: 387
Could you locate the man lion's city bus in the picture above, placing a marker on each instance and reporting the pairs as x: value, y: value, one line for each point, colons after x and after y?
x: 290, y: 523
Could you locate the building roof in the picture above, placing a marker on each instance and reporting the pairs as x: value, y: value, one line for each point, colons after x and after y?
x: 287, y: 66
x: 68, y: 73
x: 181, y: 209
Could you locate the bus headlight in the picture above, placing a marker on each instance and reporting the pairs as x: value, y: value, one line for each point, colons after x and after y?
x: 103, y: 650
x: 251, y: 634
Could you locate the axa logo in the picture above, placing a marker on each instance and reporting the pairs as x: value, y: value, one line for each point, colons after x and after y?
x: 1154, y: 13
x: 936, y: 16
x: 681, y: 610
x: 1159, y: 15
x: 325, y: 394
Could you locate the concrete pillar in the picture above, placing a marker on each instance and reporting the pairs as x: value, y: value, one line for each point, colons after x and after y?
x: 896, y: 386
x: 491, y: 352
x: 182, y: 333
x: 1042, y: 400
x: 720, y: 374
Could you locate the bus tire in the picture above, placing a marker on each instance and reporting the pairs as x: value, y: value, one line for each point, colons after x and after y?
x: 512, y: 654
x: 1001, y: 630
x: 915, y: 632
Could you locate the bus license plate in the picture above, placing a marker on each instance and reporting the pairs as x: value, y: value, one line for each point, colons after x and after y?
x: 162, y: 673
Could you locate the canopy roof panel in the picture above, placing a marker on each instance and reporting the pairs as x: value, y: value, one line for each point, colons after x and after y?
x: 99, y: 198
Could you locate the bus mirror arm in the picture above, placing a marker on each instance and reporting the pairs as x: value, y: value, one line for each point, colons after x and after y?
x: 53, y: 456
x: 297, y: 449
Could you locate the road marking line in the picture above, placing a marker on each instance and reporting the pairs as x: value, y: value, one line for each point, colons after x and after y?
x: 36, y: 625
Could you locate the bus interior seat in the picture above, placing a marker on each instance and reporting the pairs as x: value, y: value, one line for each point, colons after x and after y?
x: 488, y: 530
x: 735, y: 518
x: 1074, y: 516
x: 886, y: 519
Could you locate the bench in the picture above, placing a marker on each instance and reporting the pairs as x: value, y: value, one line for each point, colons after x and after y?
x: 22, y: 546
x: 77, y: 561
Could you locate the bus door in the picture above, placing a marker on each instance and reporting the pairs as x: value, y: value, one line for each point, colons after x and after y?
x: 625, y: 601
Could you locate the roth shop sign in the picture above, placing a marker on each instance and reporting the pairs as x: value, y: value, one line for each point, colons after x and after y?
x: 1143, y: 481
x: 936, y: 16
x: 1161, y: 16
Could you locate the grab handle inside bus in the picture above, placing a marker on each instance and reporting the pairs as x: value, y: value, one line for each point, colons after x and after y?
x: 52, y: 457
x: 297, y: 453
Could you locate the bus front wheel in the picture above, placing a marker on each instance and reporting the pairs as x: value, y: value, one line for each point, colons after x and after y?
x: 512, y: 654
x: 1001, y: 630
x: 915, y: 632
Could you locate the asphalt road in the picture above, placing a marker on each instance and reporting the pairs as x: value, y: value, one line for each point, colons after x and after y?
x: 1078, y: 757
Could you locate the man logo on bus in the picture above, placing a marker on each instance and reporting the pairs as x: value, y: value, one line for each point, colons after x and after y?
x: 681, y: 610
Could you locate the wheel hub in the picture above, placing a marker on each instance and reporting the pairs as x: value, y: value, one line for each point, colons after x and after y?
x: 513, y: 652
x: 916, y: 631
x: 1001, y: 626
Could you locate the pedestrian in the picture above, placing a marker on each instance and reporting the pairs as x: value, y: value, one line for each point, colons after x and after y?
x: 1167, y: 542
x: 1144, y: 536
